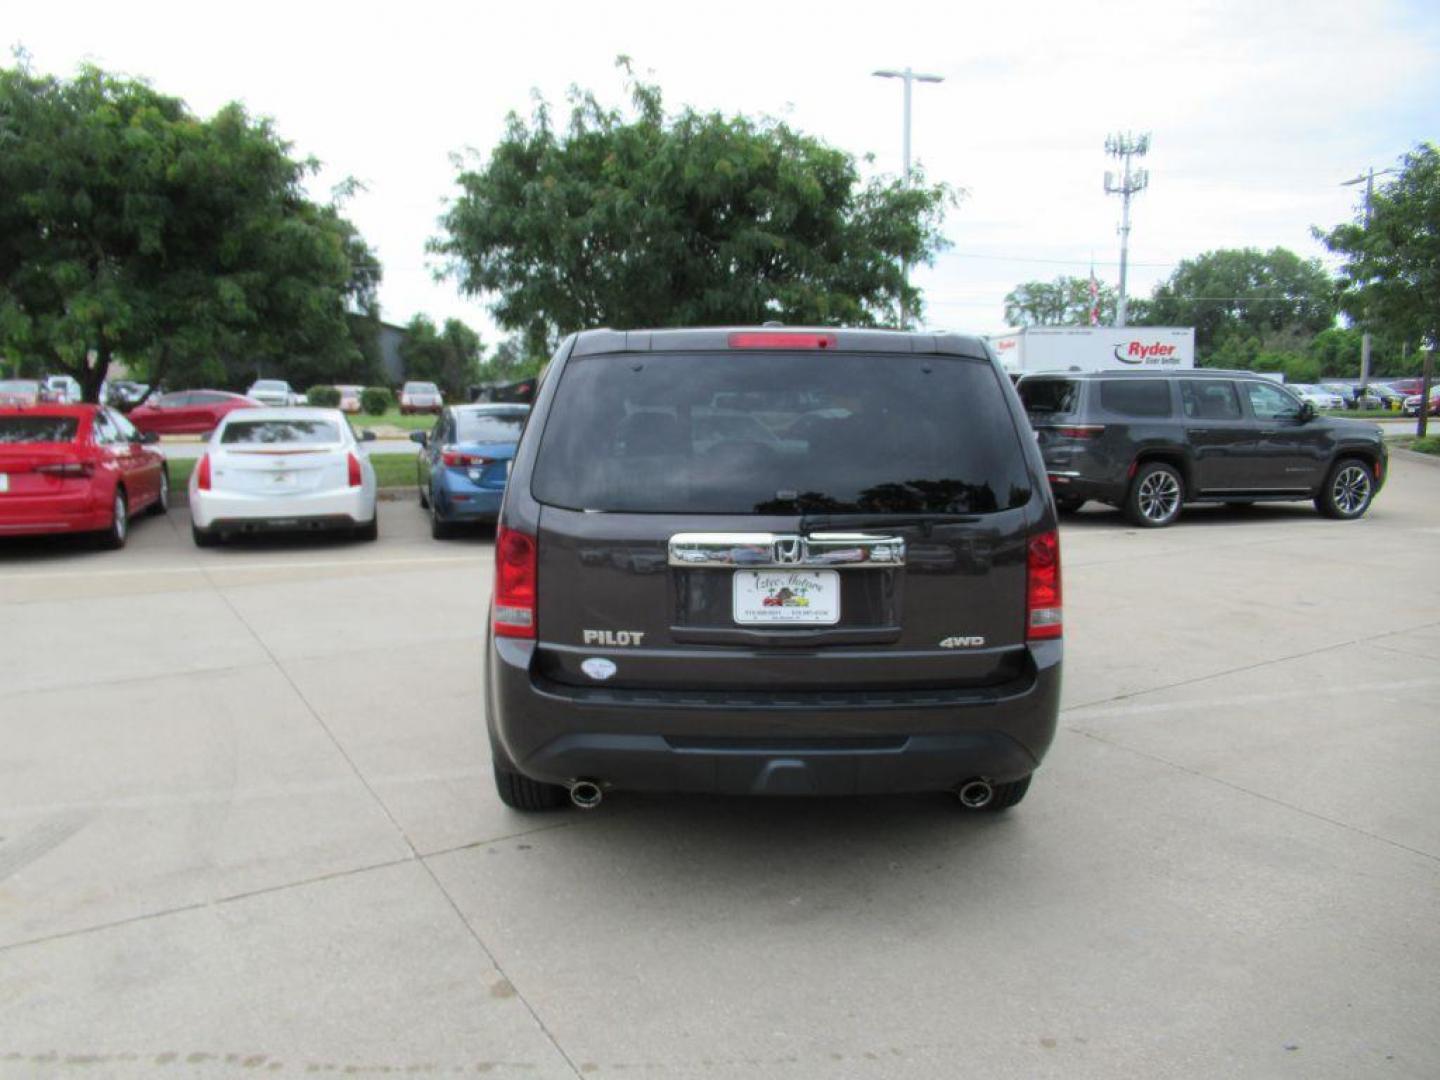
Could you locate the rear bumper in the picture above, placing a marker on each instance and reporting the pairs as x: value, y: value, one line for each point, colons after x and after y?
x: 461, y: 500
x: 248, y: 513
x: 795, y: 744
x: 33, y: 515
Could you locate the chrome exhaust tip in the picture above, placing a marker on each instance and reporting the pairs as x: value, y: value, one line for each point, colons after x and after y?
x: 975, y: 794
x: 586, y: 794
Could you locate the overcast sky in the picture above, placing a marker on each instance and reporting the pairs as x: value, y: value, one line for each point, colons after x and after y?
x: 1258, y: 109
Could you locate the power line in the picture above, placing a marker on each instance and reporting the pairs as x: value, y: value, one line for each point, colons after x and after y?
x: 1054, y: 262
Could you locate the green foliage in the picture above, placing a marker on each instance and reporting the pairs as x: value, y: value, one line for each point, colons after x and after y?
x: 376, y: 400
x: 1245, y: 294
x: 1391, y: 275
x: 449, y: 357
x: 327, y: 397
x: 131, y: 228
x: 1063, y: 302
x: 685, y: 220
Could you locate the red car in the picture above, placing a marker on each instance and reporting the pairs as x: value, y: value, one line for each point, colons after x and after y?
x: 76, y: 468
x: 187, y: 412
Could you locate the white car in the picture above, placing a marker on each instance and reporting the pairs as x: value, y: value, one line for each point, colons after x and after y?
x: 273, y: 392
x: 1318, y: 396
x: 63, y: 390
x: 420, y: 397
x: 289, y: 469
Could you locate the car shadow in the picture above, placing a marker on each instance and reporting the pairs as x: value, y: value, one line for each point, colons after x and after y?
x: 1205, y: 515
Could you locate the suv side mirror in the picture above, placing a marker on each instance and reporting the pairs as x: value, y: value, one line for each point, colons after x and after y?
x: 1307, y: 412
x: 367, y: 435
x: 420, y: 437
x: 149, y: 437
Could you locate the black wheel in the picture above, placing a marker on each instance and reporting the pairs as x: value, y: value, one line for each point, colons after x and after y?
x: 203, y: 537
x: 1068, y: 504
x: 521, y: 793
x: 370, y: 530
x: 1348, y: 490
x: 115, y: 536
x: 439, y: 527
x: 161, y: 506
x: 1155, y: 495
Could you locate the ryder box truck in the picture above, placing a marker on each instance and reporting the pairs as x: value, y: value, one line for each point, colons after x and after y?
x: 1094, y: 348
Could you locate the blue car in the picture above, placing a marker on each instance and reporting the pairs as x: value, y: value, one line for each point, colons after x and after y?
x: 464, y: 462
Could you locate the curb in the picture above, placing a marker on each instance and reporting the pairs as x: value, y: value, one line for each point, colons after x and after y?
x: 1432, y: 460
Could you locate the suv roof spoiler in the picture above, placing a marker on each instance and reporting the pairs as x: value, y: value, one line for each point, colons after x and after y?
x: 591, y: 342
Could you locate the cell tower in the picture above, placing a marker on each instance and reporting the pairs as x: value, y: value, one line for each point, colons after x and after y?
x: 1131, y: 181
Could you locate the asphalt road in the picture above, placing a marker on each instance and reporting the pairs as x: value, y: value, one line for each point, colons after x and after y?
x: 247, y: 827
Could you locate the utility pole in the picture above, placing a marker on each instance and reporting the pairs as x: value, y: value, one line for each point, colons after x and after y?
x: 909, y: 78
x: 1131, y: 181
x: 1369, y: 177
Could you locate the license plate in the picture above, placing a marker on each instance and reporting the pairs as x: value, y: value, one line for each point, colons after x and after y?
x: 769, y: 597
x: 4, y: 481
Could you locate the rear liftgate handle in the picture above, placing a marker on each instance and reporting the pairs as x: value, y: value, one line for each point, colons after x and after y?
x: 821, y: 549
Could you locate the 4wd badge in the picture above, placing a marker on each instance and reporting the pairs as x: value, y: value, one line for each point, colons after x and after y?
x: 973, y: 642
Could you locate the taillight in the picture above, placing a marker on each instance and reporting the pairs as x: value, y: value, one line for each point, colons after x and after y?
x: 767, y: 339
x: 450, y: 456
x: 202, y: 473
x: 1081, y: 431
x: 354, y: 467
x: 1043, y: 611
x: 71, y: 469
x: 515, y: 571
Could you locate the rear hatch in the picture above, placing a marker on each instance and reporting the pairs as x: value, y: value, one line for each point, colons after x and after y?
x: 279, y: 458
x: 774, y: 521
x: 1053, y: 404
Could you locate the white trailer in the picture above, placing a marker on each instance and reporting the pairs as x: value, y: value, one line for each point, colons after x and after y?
x: 1094, y: 348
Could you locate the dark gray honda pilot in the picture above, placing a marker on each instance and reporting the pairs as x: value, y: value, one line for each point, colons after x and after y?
x: 773, y: 561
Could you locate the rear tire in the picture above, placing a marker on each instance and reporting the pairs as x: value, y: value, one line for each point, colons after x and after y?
x: 1069, y: 504
x: 203, y: 537
x: 439, y: 528
x: 161, y: 506
x: 113, y: 538
x: 521, y: 793
x: 424, y: 495
x: 1155, y: 496
x: 1348, y: 492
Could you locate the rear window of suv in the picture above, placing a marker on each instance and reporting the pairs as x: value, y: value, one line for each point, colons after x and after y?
x: 1136, y: 397
x: 762, y: 433
x: 1050, y: 395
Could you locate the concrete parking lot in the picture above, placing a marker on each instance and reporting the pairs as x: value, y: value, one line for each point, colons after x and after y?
x: 247, y: 826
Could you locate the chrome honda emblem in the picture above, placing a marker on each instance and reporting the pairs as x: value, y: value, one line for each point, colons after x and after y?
x: 789, y: 550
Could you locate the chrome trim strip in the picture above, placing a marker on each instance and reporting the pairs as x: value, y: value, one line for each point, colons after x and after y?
x: 822, y: 549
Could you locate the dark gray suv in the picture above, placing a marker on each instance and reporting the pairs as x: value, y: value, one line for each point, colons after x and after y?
x: 773, y: 561
x: 1148, y: 442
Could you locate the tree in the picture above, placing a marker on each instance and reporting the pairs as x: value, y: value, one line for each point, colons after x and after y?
x: 449, y: 357
x: 130, y: 228
x: 1391, y: 275
x: 684, y: 220
x: 1066, y: 301
x: 1244, y: 293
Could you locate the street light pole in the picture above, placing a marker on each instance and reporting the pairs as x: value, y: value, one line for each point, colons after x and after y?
x: 909, y: 77
x: 1369, y: 177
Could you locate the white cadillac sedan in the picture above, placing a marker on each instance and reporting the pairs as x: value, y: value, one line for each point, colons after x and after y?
x: 270, y: 470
